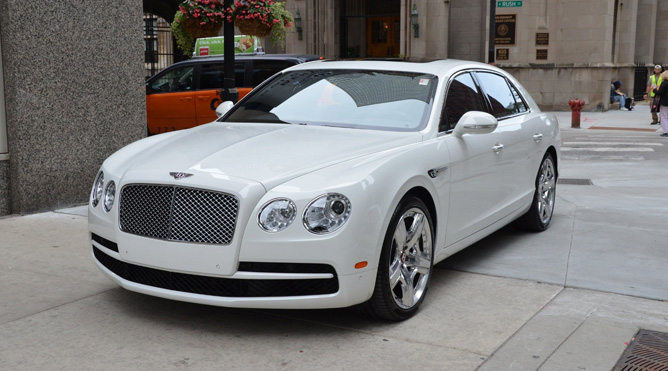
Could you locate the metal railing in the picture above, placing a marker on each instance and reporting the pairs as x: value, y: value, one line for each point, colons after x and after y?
x: 158, y: 44
x: 640, y: 81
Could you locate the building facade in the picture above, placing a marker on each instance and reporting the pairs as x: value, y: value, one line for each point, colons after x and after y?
x: 558, y: 49
x: 72, y: 73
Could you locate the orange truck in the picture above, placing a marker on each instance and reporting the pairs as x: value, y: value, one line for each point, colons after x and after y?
x: 187, y: 93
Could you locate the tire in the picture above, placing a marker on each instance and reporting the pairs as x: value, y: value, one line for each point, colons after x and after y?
x: 538, y: 217
x: 406, y: 262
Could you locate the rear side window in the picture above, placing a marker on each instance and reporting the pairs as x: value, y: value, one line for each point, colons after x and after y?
x: 263, y: 70
x: 212, y: 75
x: 463, y: 96
x: 499, y: 94
x: 176, y: 80
x: 521, y: 106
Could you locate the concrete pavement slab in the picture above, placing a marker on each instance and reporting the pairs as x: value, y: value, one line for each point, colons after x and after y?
x: 512, y: 252
x: 45, y: 262
x: 579, y: 330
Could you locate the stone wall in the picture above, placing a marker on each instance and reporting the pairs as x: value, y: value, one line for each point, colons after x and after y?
x: 74, y: 91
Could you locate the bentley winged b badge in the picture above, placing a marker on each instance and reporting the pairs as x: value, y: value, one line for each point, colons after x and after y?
x: 179, y: 175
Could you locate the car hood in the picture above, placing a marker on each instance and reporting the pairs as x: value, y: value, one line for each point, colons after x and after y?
x: 270, y: 154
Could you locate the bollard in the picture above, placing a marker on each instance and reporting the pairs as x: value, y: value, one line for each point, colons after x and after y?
x: 576, y: 108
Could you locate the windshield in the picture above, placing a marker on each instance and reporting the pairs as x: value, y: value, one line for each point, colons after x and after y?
x: 379, y: 100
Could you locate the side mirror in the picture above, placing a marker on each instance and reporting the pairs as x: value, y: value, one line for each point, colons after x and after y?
x: 475, y: 122
x: 223, y: 108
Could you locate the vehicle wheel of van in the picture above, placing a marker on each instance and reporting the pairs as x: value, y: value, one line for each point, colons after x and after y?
x: 540, y: 214
x: 406, y: 262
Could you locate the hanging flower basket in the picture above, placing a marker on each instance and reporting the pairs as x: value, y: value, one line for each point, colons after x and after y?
x: 261, y: 18
x: 197, y: 30
x: 253, y: 27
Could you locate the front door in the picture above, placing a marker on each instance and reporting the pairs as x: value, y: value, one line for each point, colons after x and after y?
x: 382, y: 37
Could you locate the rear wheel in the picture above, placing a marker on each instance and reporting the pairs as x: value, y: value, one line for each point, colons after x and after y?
x: 540, y: 214
x: 406, y: 262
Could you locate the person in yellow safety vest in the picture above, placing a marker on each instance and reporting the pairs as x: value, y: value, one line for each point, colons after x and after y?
x: 653, y: 83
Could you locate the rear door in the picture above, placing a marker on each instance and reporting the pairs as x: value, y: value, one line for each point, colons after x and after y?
x: 518, y: 139
x: 210, y: 85
x: 170, y: 100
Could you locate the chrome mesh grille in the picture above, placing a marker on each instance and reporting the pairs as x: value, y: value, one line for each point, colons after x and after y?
x: 178, y: 214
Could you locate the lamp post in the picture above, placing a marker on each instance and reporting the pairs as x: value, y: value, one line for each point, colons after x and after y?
x: 229, y: 91
x: 414, y: 21
x: 298, y: 25
x: 492, y: 31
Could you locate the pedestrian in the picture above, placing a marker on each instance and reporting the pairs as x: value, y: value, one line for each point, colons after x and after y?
x: 653, y: 83
x: 661, y: 93
x: 616, y: 95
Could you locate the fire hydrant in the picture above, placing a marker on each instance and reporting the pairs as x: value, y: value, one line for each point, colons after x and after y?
x: 576, y: 108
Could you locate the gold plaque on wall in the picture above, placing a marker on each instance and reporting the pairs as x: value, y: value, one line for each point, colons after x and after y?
x: 505, y: 25
x: 502, y: 54
x: 541, y: 54
x: 542, y: 38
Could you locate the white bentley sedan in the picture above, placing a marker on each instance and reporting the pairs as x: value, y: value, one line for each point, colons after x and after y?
x: 332, y: 184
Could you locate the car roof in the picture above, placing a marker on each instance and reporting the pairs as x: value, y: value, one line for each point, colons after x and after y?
x: 299, y: 58
x: 436, y: 67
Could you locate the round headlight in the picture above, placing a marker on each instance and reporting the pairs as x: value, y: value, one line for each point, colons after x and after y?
x: 327, y: 213
x: 276, y: 215
x: 96, y: 193
x: 109, y: 196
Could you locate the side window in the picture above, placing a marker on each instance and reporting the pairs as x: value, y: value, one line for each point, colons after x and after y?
x: 498, y: 92
x: 462, y: 96
x: 212, y: 75
x: 178, y: 79
x: 263, y: 70
x: 521, y: 106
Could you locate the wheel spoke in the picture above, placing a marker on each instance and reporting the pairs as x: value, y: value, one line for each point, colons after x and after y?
x: 422, y: 264
x: 415, y: 231
x: 395, y: 274
x: 400, y: 235
x: 407, y: 289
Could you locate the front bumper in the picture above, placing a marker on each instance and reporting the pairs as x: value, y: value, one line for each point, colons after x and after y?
x: 254, y: 285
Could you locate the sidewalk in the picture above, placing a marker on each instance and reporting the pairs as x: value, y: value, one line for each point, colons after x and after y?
x: 570, y: 298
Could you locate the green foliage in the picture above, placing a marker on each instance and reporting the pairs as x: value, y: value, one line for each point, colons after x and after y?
x: 184, y: 41
x: 279, y: 28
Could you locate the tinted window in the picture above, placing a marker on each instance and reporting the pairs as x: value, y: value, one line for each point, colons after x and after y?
x: 212, y: 75
x: 263, y: 70
x: 499, y: 94
x: 463, y: 96
x: 178, y: 79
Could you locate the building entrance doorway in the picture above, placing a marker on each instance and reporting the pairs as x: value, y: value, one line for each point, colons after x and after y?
x: 382, y: 35
x: 370, y: 28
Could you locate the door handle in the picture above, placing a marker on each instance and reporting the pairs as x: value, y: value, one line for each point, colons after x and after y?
x: 203, y: 97
x: 497, y: 148
x: 186, y: 98
x: 537, y: 137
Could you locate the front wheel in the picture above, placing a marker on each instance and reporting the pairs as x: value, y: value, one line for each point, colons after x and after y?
x: 540, y: 214
x: 406, y: 261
